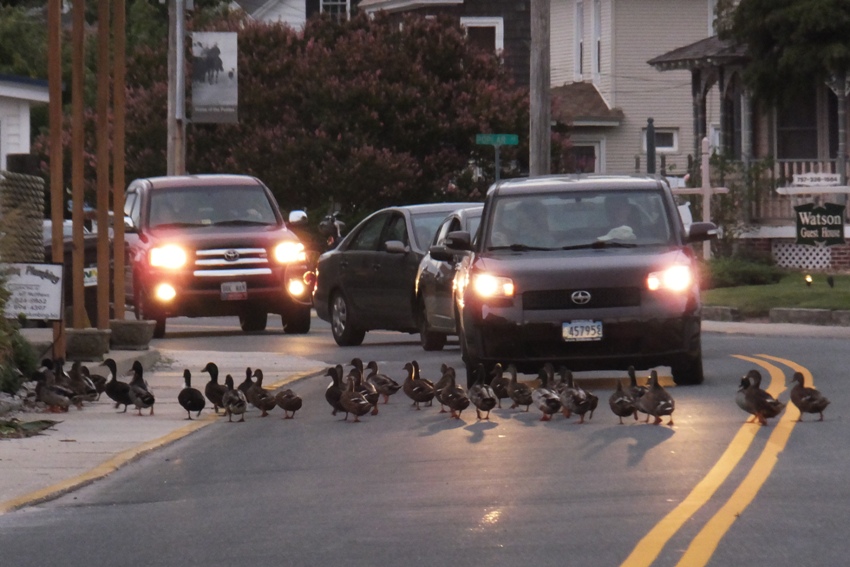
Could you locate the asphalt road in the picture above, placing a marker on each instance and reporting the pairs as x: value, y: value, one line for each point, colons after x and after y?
x: 411, y: 487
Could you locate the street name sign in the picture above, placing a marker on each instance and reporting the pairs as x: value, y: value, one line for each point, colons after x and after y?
x: 497, y: 139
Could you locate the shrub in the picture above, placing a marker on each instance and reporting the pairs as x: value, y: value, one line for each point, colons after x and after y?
x: 738, y: 271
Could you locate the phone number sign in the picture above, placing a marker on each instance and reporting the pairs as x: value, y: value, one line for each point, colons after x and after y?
x: 35, y: 290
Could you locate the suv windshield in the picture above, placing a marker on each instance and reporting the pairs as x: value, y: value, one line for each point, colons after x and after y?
x: 573, y: 220
x: 205, y: 206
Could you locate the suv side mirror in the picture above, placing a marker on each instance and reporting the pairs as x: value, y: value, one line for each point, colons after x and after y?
x: 297, y: 217
x: 459, y: 240
x: 702, y: 231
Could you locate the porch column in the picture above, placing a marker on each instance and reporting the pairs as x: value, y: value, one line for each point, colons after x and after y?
x: 747, y: 145
x: 699, y: 111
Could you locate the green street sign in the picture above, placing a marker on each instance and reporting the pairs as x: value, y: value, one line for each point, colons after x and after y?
x: 497, y: 139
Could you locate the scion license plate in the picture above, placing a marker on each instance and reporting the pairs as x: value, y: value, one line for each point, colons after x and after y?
x: 234, y: 290
x: 583, y: 330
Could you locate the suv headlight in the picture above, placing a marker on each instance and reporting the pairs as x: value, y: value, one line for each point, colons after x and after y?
x: 169, y: 256
x: 675, y: 278
x: 486, y: 285
x: 289, y: 252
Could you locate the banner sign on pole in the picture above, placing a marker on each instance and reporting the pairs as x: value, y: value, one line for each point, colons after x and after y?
x: 215, y: 85
x: 35, y: 291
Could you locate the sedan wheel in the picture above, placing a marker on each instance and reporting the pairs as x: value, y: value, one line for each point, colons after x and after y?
x: 342, y: 323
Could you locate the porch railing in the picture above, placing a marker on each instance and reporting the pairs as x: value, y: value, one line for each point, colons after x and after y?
x: 771, y: 208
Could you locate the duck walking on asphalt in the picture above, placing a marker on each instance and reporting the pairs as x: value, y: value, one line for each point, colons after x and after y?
x: 190, y: 399
x: 289, y: 402
x: 499, y: 383
x: 807, y: 399
x: 657, y: 401
x: 233, y: 401
x: 354, y: 402
x: 385, y: 385
x: 759, y: 402
x: 622, y: 403
x: 334, y: 390
x: 544, y: 397
x: 140, y: 392
x: 481, y: 395
x: 519, y: 392
x: 118, y: 392
x: 417, y: 389
x: 213, y: 390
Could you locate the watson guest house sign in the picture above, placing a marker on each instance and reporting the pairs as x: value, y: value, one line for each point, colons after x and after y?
x: 820, y: 224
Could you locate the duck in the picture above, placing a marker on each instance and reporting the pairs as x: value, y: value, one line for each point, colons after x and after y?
x: 140, y: 392
x: 741, y: 395
x: 289, y: 402
x: 385, y: 385
x: 98, y: 380
x: 519, y: 392
x: 657, y: 401
x: 361, y: 385
x: 417, y: 389
x: 246, y: 383
x: 574, y: 399
x: 807, y: 399
x: 334, y: 390
x: 56, y: 398
x: 481, y: 394
x: 117, y: 391
x: 259, y: 397
x: 544, y: 397
x: 354, y: 402
x: 233, y: 401
x: 622, y: 403
x: 499, y: 384
x: 759, y: 402
x: 447, y: 375
x: 213, y: 390
x: 425, y: 380
x: 454, y: 396
x: 84, y: 389
x: 190, y: 399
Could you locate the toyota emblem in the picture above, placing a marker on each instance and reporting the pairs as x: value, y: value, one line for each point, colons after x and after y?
x: 231, y: 255
x: 581, y: 297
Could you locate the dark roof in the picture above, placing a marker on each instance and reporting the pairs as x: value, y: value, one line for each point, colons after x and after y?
x: 710, y: 51
x: 23, y: 80
x: 580, y: 104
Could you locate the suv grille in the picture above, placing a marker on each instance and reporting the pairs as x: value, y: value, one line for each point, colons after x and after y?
x: 219, y: 262
x: 601, y: 297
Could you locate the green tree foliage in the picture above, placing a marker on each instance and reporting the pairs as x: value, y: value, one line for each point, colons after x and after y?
x: 23, y: 42
x: 791, y: 43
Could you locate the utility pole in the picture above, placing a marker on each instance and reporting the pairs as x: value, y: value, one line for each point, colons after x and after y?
x: 176, y: 146
x: 540, y: 132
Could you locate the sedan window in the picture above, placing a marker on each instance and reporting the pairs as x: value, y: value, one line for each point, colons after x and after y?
x: 368, y: 236
x: 396, y: 230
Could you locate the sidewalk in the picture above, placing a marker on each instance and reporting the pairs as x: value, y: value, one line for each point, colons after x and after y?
x: 95, y: 441
x: 90, y: 443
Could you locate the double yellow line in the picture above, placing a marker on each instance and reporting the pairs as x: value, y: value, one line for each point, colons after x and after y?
x: 702, y: 547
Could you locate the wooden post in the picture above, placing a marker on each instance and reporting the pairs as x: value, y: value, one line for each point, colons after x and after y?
x: 54, y: 86
x: 79, y: 317
x: 119, y: 112
x: 103, y: 33
x: 540, y: 129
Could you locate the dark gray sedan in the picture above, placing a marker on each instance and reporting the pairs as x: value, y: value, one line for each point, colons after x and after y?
x: 435, y: 281
x: 368, y: 281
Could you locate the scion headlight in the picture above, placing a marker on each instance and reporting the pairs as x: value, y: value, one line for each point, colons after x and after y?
x: 486, y: 285
x: 289, y: 252
x: 169, y: 256
x: 675, y: 278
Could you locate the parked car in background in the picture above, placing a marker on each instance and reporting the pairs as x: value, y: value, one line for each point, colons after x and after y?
x: 590, y: 272
x: 213, y: 245
x: 435, y: 281
x: 367, y: 282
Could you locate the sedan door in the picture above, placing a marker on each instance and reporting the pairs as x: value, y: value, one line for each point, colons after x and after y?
x: 392, y: 277
x: 355, y: 269
x: 435, y: 283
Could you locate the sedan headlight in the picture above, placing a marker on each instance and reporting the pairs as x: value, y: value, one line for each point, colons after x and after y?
x: 486, y: 285
x: 169, y: 256
x: 675, y: 278
x: 289, y: 252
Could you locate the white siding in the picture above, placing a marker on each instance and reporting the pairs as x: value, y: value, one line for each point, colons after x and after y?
x: 561, y: 41
x: 291, y: 12
x: 14, y: 128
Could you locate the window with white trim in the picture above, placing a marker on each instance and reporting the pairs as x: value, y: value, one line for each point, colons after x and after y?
x: 485, y: 32
x: 339, y: 10
x: 578, y: 50
x: 666, y: 140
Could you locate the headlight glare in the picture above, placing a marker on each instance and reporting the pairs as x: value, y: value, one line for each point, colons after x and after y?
x: 289, y: 252
x: 170, y: 256
x: 675, y: 278
x: 486, y: 285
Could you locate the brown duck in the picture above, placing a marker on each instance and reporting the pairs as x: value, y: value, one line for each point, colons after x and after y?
x: 213, y: 390
x: 417, y: 389
x: 759, y: 402
x: 656, y: 402
x: 289, y: 402
x: 807, y: 399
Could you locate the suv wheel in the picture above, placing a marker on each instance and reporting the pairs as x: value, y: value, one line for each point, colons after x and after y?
x: 688, y: 371
x: 253, y: 321
x: 431, y: 340
x: 298, y: 322
x: 342, y: 322
x: 142, y: 312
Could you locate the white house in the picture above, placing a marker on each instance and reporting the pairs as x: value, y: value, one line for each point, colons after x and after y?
x: 17, y: 94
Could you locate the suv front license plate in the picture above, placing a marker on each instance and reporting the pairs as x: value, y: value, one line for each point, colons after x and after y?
x: 584, y: 330
x: 234, y: 290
